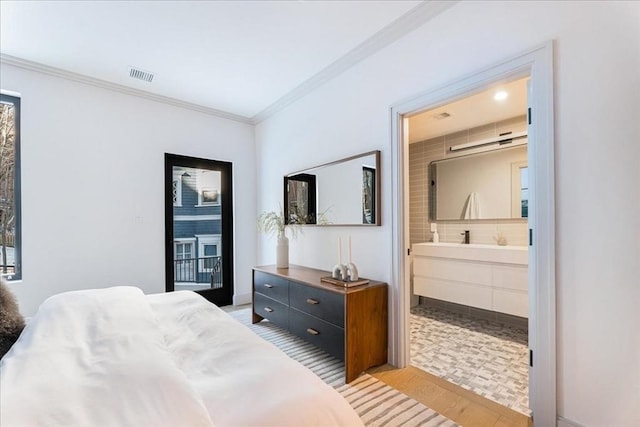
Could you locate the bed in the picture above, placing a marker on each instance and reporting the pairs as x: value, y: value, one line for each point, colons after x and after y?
x: 115, y: 356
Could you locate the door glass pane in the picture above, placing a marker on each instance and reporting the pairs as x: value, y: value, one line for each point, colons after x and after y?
x: 196, y: 224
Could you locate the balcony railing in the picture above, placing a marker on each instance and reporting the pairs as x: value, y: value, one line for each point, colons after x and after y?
x: 199, y: 270
x: 7, y: 269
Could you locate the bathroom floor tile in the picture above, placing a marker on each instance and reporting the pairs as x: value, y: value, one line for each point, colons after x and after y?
x: 487, y: 358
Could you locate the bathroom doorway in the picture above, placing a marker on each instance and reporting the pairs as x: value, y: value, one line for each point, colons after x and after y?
x: 537, y: 64
x: 468, y: 230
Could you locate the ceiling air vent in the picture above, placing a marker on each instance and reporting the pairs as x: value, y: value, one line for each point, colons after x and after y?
x: 136, y: 73
x: 441, y: 116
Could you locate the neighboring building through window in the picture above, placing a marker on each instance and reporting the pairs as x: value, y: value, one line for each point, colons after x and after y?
x: 197, y: 228
x: 10, y: 231
x: 208, y: 252
x: 184, y: 260
x: 177, y: 189
x: 208, y: 183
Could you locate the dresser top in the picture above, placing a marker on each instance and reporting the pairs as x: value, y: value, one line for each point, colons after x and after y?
x: 311, y: 277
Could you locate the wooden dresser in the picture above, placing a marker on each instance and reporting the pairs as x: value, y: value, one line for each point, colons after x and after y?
x: 348, y: 323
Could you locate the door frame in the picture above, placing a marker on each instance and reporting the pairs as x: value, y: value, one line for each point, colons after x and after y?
x: 223, y: 296
x: 536, y: 63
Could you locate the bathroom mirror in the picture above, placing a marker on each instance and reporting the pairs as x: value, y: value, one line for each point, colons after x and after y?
x: 487, y: 185
x: 344, y: 192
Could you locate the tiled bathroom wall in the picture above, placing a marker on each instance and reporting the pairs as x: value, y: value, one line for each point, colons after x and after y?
x: 481, y: 231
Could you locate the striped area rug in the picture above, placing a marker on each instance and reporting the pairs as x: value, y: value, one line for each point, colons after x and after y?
x: 377, y: 403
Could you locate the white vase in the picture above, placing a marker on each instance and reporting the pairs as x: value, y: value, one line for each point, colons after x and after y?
x: 282, y: 252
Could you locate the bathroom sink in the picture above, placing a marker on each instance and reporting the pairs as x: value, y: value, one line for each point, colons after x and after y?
x: 473, y: 252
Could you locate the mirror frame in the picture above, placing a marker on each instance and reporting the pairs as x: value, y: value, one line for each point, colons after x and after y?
x: 376, y: 194
x: 433, y: 181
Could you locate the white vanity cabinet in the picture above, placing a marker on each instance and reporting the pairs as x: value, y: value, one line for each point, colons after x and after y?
x: 490, y: 277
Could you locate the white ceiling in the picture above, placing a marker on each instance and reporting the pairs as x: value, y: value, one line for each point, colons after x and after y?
x: 475, y: 110
x: 239, y: 57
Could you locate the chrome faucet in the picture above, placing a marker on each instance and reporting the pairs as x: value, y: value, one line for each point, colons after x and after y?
x: 466, y: 237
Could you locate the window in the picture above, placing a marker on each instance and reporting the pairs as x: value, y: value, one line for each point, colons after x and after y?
x: 519, y: 190
x: 524, y: 191
x: 10, y: 231
x: 210, y: 197
x: 209, y: 251
x: 184, y: 250
x: 184, y: 261
x: 208, y: 184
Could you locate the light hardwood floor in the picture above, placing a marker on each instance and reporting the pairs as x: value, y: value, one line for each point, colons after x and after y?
x: 454, y: 402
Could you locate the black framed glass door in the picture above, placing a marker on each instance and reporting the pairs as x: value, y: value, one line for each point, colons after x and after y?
x: 199, y: 227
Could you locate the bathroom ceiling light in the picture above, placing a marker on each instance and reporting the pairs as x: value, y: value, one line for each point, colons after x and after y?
x: 502, y: 139
x: 501, y: 95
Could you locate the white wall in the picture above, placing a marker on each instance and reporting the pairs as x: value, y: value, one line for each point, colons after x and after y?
x: 93, y: 185
x: 597, y: 81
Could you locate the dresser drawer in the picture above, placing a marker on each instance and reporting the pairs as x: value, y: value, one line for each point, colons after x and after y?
x: 273, y: 310
x: 324, y: 335
x: 320, y: 303
x: 274, y: 287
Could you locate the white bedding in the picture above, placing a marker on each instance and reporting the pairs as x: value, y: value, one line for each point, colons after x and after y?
x: 114, y: 357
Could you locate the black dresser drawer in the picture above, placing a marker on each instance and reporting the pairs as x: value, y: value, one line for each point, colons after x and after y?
x: 320, y: 303
x: 273, y: 310
x: 324, y: 335
x: 272, y: 286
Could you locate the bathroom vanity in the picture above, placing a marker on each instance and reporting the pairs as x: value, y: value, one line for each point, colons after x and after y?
x: 489, y: 277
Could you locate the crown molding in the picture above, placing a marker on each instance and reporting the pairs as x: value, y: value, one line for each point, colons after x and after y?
x: 402, y: 26
x: 80, y: 78
x: 397, y: 29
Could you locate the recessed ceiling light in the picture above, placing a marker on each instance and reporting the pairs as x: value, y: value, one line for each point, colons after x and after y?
x: 501, y: 95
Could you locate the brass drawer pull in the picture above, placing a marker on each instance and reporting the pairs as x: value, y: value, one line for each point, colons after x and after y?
x: 313, y: 331
x: 266, y: 285
x: 268, y: 309
x: 312, y: 301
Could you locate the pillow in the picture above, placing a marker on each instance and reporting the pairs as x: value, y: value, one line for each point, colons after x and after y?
x: 11, y: 321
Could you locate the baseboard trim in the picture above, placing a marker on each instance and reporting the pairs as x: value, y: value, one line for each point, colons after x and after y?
x: 240, y: 299
x: 564, y: 422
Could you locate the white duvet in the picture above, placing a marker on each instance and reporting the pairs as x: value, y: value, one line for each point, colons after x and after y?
x: 115, y: 357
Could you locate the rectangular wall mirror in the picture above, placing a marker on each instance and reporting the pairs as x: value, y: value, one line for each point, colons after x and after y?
x: 487, y: 185
x: 344, y: 192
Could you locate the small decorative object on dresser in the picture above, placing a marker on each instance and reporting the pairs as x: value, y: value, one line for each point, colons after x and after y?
x: 344, y: 283
x: 273, y: 223
x: 344, y: 272
x: 282, y: 252
x: 350, y: 323
x: 339, y: 271
x: 352, y: 270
